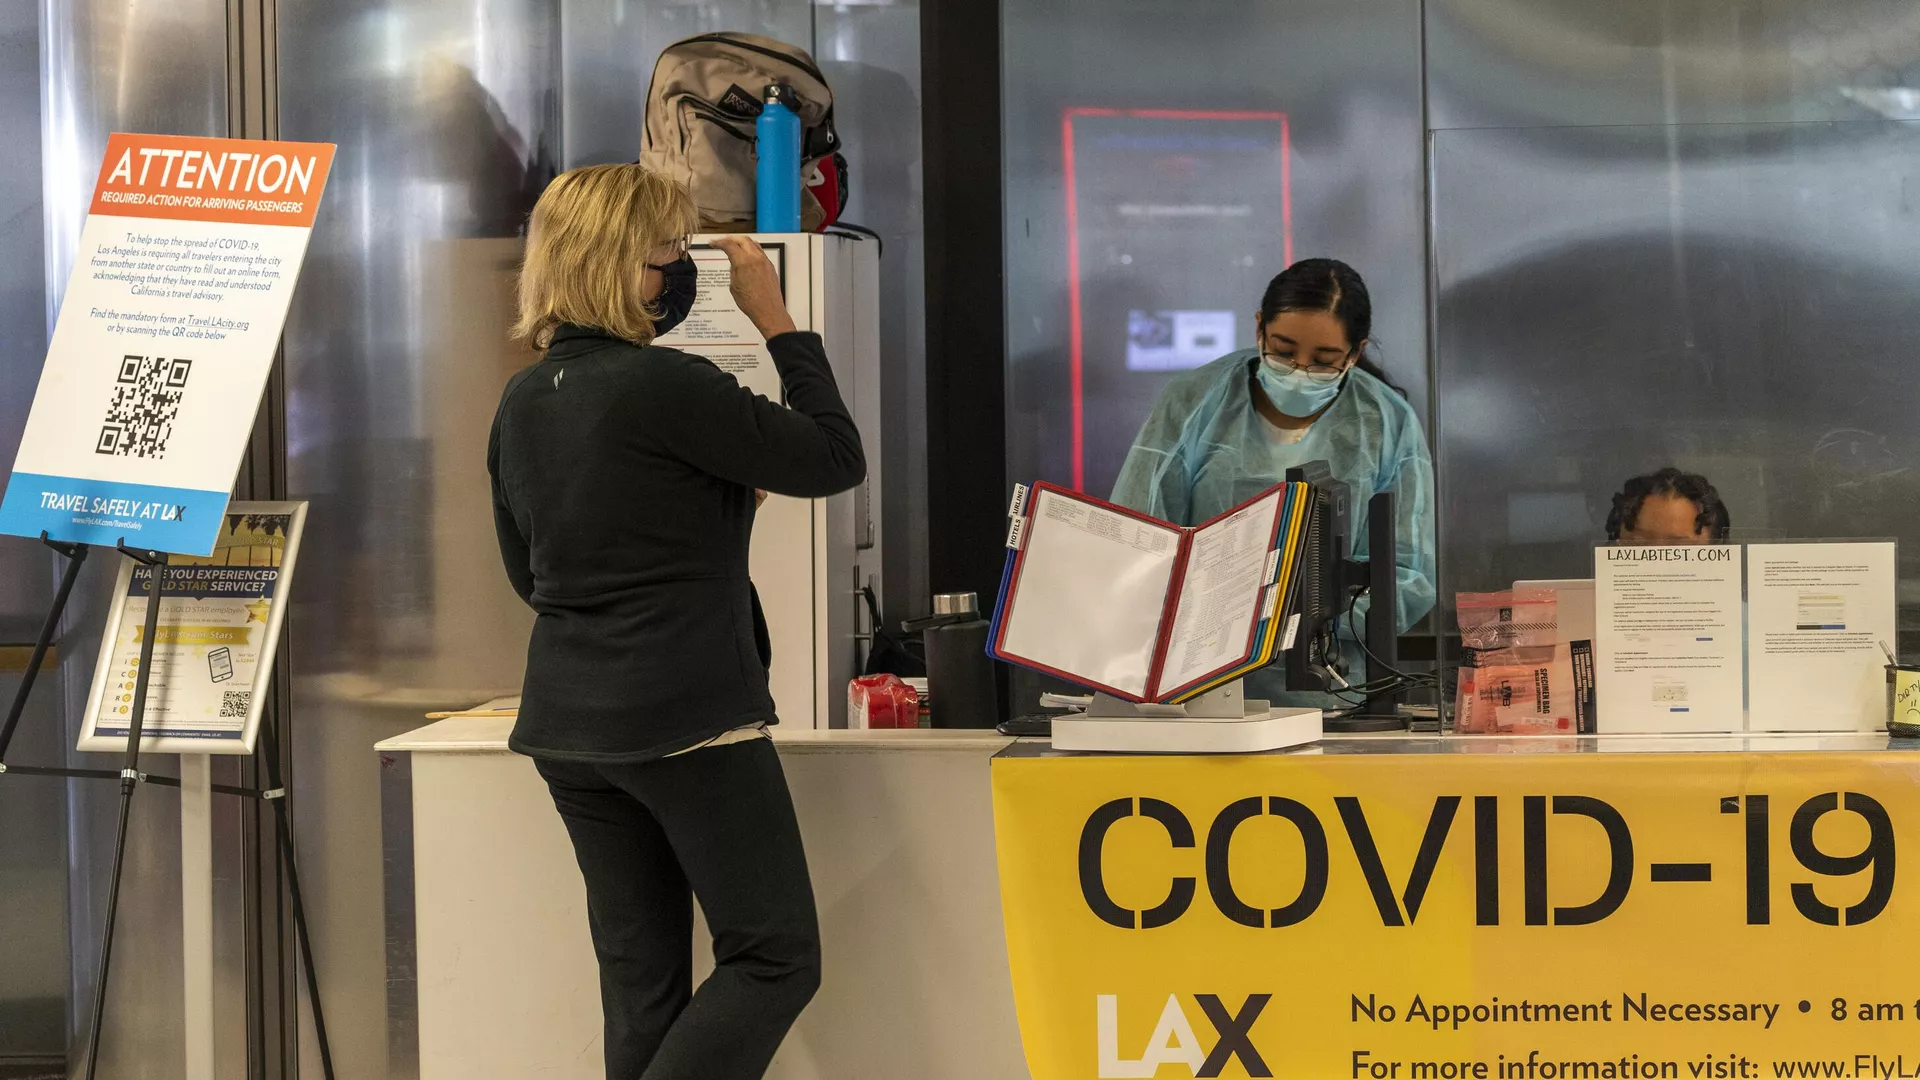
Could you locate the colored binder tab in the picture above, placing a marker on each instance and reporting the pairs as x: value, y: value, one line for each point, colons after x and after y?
x: 1143, y: 609
x: 1296, y: 518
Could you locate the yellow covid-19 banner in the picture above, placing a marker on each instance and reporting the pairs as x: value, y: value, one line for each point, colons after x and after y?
x: 1469, y: 916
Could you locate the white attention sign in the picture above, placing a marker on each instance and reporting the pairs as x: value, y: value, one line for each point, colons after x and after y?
x: 153, y: 377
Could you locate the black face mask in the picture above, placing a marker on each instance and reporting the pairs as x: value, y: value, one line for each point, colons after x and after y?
x: 680, y: 283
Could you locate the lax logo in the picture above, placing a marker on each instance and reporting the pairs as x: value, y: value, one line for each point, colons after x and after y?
x: 1174, y: 1043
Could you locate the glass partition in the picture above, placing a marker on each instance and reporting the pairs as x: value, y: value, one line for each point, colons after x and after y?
x: 1164, y: 160
x: 1639, y: 235
x: 1734, y: 300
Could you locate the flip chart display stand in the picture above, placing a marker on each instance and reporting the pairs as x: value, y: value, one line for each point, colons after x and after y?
x: 196, y: 794
x: 1221, y: 721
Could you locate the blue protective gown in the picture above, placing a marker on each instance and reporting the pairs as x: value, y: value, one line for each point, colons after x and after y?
x: 1204, y: 450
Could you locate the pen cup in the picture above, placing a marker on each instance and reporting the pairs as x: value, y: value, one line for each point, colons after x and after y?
x: 1903, y: 700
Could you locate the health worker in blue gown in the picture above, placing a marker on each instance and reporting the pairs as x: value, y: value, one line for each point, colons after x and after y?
x: 1223, y: 433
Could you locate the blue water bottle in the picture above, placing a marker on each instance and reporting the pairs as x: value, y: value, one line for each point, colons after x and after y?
x: 777, y: 177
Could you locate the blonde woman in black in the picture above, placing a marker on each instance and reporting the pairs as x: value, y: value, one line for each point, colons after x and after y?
x: 624, y: 489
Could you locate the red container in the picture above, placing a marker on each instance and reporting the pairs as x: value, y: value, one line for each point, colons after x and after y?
x: 882, y: 701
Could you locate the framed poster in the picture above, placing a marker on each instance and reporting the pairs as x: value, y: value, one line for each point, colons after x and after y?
x: 220, y: 618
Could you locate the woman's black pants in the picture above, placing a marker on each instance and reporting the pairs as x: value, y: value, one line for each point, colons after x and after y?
x: 717, y: 824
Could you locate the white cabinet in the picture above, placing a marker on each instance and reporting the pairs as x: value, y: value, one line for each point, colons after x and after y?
x: 810, y: 556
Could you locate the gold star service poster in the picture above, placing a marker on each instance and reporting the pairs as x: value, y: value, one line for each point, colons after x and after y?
x: 220, y: 620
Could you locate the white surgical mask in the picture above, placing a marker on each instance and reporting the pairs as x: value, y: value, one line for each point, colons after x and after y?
x: 1295, y: 392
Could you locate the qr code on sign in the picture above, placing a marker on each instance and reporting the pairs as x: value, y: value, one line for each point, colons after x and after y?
x: 146, y: 398
x: 233, y: 704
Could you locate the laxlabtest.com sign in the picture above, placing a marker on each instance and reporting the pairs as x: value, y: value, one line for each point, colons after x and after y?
x: 180, y: 286
x: 1463, y: 917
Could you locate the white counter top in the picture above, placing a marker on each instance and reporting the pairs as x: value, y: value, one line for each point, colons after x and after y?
x: 488, y: 735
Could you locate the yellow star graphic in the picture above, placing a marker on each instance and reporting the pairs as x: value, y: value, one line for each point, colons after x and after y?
x: 257, y: 611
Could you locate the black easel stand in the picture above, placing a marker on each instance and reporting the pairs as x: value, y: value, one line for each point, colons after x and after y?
x: 76, y: 556
x: 130, y: 777
x: 277, y: 795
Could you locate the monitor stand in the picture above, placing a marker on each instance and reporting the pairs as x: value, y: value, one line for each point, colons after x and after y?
x: 1220, y: 721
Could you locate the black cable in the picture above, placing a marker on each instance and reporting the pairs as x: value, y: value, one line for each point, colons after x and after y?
x: 1359, y: 635
x: 1330, y: 646
x: 1390, y: 682
x: 1358, y: 695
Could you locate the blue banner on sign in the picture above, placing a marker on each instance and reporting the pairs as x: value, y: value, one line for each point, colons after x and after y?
x: 108, y: 731
x: 180, y: 521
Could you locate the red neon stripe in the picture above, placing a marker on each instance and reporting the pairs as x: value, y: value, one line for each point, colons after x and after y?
x: 1075, y: 336
x: 1202, y: 114
x: 1286, y: 192
x: 1074, y: 344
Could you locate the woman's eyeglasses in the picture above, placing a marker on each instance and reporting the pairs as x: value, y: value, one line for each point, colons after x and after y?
x: 680, y: 250
x: 1316, y: 372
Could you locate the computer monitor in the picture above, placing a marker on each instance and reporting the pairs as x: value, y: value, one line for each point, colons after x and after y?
x: 1328, y: 583
x: 1320, y: 578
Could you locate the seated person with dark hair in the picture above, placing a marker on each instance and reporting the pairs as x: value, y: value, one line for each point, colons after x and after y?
x: 1668, y: 507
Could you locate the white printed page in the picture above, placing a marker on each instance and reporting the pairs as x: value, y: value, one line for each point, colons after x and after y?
x: 1220, y: 595
x: 1817, y: 614
x: 1092, y: 590
x: 1667, y: 639
x: 718, y: 330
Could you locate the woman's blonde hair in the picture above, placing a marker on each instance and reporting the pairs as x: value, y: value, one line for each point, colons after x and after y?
x: 587, y: 246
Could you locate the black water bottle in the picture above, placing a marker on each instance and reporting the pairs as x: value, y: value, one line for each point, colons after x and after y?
x: 960, y: 685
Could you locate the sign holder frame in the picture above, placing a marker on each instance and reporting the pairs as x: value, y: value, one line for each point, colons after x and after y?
x: 130, y: 777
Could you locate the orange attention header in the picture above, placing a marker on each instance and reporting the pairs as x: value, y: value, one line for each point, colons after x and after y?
x: 238, y: 181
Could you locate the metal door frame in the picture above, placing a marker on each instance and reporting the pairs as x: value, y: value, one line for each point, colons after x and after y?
x: 272, y: 989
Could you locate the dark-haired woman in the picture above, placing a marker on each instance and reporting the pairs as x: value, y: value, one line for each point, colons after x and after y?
x: 1668, y: 508
x: 1307, y: 392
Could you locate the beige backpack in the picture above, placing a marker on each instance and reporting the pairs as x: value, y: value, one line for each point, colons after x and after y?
x: 701, y: 108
